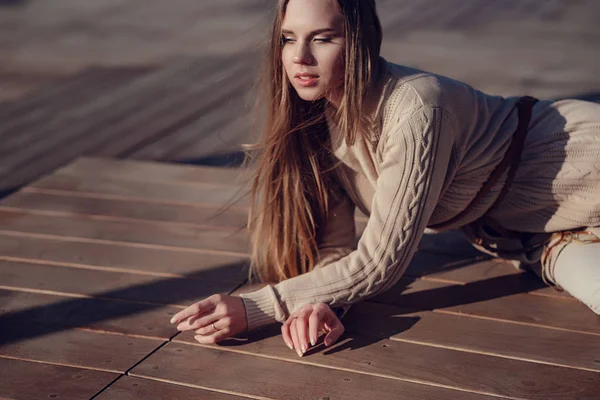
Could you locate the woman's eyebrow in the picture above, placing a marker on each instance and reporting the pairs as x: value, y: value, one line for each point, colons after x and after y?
x: 324, y: 30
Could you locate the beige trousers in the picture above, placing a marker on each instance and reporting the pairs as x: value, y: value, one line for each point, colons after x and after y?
x: 571, y: 262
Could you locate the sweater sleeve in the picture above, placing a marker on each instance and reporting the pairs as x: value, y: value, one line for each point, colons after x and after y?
x: 415, y: 155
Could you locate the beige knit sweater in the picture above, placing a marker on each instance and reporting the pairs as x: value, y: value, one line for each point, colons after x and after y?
x: 435, y: 142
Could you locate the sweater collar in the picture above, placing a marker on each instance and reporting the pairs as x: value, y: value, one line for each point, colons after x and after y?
x: 373, y: 108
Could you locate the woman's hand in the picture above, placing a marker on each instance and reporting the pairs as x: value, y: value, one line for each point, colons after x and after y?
x: 215, y: 318
x: 306, y: 323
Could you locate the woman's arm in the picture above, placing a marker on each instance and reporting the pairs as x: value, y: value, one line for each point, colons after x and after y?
x: 415, y: 156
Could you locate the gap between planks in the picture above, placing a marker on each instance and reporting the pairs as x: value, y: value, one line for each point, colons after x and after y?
x: 59, y: 364
x: 174, y: 182
x: 86, y: 296
x: 440, y: 311
x: 243, y: 395
x: 92, y: 195
x: 92, y: 267
x: 486, y: 353
x: 170, y: 275
x: 70, y: 193
x: 107, y: 386
x: 100, y: 217
x: 508, y: 321
x: 122, y: 244
x: 98, y: 331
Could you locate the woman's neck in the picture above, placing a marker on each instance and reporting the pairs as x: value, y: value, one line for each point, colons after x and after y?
x: 374, y: 91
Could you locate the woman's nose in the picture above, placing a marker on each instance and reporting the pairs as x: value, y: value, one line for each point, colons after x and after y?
x: 303, y: 55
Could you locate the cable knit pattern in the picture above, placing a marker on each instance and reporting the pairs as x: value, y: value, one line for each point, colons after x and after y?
x: 411, y: 161
x: 438, y: 142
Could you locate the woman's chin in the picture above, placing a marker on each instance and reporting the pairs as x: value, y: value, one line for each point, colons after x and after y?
x: 309, y: 94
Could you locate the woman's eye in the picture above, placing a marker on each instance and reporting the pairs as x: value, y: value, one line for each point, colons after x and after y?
x: 323, y: 40
x: 286, y: 40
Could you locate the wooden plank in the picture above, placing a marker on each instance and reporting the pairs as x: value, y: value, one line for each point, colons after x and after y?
x: 29, y: 380
x: 494, y: 269
x: 110, y: 285
x: 125, y: 210
x: 208, y: 134
x: 211, y: 95
x: 256, y: 376
x: 144, y: 191
x: 128, y: 100
x: 175, y: 236
x: 111, y: 256
x: 228, y: 138
x: 137, y: 173
x: 58, y: 313
x: 17, y: 83
x: 431, y: 365
x: 163, y: 235
x: 486, y: 336
x: 147, y: 171
x: 103, y: 82
x: 74, y: 348
x: 71, y: 84
x: 137, y: 208
x: 106, y: 176
x: 425, y: 264
x: 502, y: 298
x: 179, y: 115
x: 118, y: 114
x: 128, y: 388
x: 101, y: 171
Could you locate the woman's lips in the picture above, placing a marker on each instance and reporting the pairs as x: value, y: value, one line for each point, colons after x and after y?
x: 306, y: 80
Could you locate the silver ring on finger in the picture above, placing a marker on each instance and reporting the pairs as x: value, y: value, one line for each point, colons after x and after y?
x: 214, y: 327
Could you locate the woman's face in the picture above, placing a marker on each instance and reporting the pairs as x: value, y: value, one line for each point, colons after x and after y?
x: 313, y: 49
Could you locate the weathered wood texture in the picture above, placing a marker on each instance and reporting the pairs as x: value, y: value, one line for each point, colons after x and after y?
x: 127, y: 388
x: 95, y: 258
x: 118, y: 113
x: 91, y: 273
x: 78, y: 296
x: 23, y: 380
x: 178, y: 87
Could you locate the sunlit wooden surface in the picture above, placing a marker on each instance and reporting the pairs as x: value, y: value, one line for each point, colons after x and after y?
x: 96, y: 257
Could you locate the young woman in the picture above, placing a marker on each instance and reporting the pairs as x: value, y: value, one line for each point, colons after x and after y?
x: 412, y: 150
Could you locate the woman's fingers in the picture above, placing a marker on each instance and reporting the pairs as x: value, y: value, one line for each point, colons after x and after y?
x: 213, y: 338
x: 199, y: 308
x: 285, y: 333
x: 213, y: 326
x: 192, y: 324
x: 294, y: 335
x: 302, y: 327
x: 336, y: 329
x: 198, y: 321
x: 315, y: 324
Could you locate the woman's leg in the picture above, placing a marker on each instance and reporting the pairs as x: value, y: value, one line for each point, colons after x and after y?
x: 573, y: 264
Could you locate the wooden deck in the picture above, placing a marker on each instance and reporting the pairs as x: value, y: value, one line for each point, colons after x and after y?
x: 186, y: 109
x: 96, y: 257
x: 150, y: 80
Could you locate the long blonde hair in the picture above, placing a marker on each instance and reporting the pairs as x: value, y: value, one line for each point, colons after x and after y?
x: 296, y: 173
